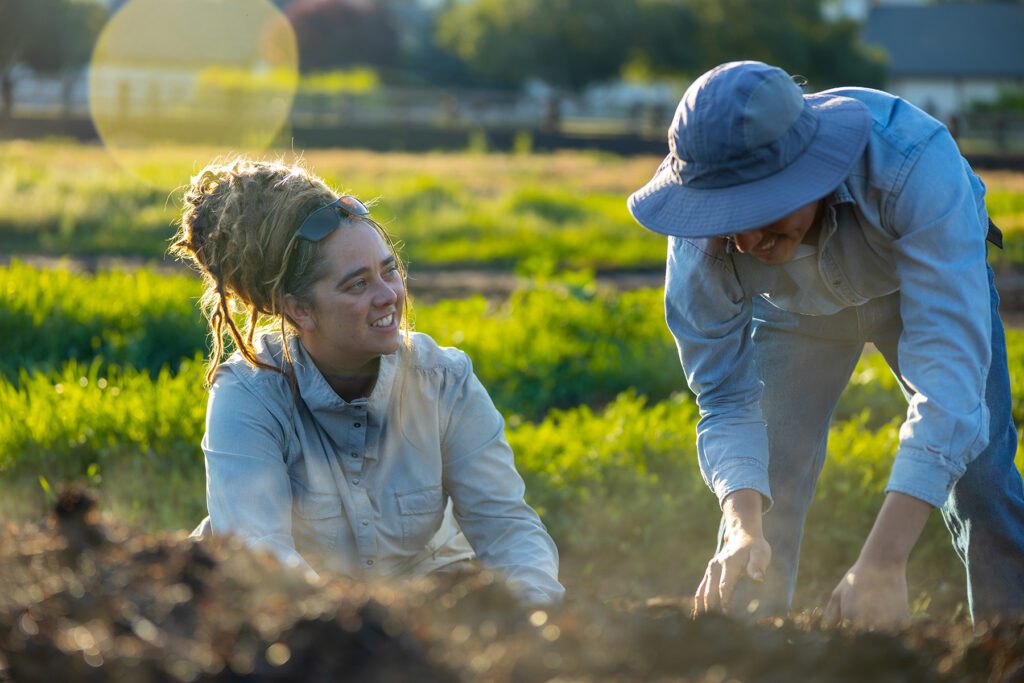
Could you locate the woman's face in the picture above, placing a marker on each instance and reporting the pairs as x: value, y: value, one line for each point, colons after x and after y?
x: 777, y: 242
x: 357, y: 305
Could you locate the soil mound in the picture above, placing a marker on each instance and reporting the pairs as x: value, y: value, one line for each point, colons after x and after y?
x: 85, y: 601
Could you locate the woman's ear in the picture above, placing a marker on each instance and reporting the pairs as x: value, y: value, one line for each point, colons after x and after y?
x: 300, y: 313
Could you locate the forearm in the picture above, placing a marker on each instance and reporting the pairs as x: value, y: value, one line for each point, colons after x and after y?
x: 897, y: 527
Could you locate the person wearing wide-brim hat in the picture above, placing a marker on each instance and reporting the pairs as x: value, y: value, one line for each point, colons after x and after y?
x: 802, y: 227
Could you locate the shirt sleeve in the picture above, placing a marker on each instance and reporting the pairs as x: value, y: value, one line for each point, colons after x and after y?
x: 709, y: 315
x: 481, y: 478
x: 945, y: 347
x: 247, y: 485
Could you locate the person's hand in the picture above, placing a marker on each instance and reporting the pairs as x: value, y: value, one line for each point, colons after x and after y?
x: 744, y: 552
x: 873, y: 593
x: 870, y: 595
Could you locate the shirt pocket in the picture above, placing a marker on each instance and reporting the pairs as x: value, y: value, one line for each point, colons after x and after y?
x: 317, y: 518
x: 421, y: 512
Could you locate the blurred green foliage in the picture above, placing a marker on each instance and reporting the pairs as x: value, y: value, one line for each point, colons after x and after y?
x: 561, y: 344
x: 573, y: 43
x: 554, y: 343
x: 141, y: 319
x: 64, y: 199
x: 551, y: 344
x: 451, y: 210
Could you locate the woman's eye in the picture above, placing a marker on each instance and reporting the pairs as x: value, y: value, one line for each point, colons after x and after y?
x: 391, y: 272
x: 358, y: 285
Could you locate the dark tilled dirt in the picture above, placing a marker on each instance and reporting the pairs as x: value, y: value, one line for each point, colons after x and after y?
x: 85, y: 601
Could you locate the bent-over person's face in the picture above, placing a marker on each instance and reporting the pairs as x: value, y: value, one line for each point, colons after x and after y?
x: 358, y: 303
x: 777, y: 242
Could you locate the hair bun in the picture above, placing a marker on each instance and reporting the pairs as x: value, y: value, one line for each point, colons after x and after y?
x: 197, y: 222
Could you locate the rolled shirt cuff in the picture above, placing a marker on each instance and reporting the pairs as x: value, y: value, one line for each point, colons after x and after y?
x: 742, y: 473
x: 923, y: 475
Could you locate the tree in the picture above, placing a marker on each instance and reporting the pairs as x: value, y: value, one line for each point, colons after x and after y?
x: 18, y: 21
x: 566, y: 43
x: 65, y: 42
x: 793, y: 35
x: 572, y: 43
x: 666, y: 38
x: 343, y: 33
x: 52, y: 37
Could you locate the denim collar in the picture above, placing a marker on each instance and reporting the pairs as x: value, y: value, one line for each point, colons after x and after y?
x: 841, y: 195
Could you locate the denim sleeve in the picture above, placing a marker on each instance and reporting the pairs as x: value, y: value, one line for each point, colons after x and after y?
x: 487, y: 492
x: 945, y: 346
x: 709, y: 315
x: 248, y: 492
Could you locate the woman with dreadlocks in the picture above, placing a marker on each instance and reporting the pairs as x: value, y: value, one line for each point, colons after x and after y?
x: 335, y: 437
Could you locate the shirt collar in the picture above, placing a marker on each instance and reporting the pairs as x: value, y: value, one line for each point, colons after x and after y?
x: 321, y: 398
x: 841, y: 195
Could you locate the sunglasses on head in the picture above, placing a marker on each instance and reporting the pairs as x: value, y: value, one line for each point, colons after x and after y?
x: 323, y: 221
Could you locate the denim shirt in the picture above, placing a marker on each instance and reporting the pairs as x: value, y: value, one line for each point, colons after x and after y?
x: 909, y: 218
x: 379, y: 486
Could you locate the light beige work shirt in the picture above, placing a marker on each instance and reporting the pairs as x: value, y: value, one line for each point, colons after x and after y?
x: 415, y: 477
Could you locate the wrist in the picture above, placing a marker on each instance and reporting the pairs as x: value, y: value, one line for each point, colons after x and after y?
x: 895, y: 532
x: 883, y: 559
x: 743, y: 511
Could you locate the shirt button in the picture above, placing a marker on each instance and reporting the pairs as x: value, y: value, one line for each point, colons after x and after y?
x: 355, y: 482
x: 357, y: 425
x: 369, y: 562
x: 365, y: 522
x: 354, y: 454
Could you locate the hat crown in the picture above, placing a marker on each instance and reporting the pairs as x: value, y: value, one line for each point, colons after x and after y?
x: 740, y: 116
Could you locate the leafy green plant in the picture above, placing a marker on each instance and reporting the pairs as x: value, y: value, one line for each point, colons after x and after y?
x: 554, y: 343
x: 51, y: 316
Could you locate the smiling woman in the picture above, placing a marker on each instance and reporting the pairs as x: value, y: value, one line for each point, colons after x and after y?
x: 335, y: 437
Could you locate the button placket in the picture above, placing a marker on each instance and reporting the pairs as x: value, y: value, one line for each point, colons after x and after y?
x: 353, y: 469
x: 834, y: 280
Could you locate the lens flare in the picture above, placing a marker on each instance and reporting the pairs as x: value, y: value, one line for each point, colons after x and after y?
x: 220, y: 74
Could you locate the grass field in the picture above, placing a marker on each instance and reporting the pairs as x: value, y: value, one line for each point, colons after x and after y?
x: 100, y: 376
x: 477, y: 210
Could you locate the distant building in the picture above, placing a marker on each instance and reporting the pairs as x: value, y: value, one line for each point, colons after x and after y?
x: 858, y: 9
x: 945, y: 57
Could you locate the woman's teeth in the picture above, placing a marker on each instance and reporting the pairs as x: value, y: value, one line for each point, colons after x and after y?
x: 385, y: 321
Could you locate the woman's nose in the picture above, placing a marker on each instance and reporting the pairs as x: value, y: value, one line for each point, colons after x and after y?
x: 387, y: 293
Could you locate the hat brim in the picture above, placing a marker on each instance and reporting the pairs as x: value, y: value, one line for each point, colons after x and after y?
x: 667, y: 206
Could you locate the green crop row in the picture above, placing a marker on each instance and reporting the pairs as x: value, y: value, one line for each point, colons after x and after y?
x: 467, y: 209
x: 553, y: 343
x: 52, y: 316
x: 618, y: 487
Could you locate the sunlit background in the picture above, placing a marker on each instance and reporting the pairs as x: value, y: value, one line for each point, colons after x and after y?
x: 501, y: 138
x: 192, y: 72
x: 427, y: 74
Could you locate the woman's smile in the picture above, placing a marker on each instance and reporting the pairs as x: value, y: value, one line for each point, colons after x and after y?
x: 386, y: 323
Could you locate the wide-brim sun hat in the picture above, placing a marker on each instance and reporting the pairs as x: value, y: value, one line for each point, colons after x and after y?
x: 747, y: 148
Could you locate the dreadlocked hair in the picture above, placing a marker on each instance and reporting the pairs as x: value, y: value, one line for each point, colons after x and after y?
x: 237, y: 229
